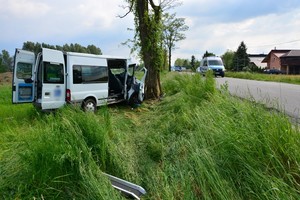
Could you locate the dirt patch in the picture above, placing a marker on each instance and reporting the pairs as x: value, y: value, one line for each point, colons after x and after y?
x: 5, y: 78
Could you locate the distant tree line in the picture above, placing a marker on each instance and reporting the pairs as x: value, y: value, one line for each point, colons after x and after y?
x: 233, y: 60
x: 6, y: 61
x: 191, y: 64
x: 36, y: 48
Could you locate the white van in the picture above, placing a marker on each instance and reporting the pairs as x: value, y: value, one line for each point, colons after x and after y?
x: 213, y: 63
x: 55, y: 78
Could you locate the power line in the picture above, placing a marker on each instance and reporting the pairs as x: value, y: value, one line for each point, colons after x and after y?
x: 266, y: 45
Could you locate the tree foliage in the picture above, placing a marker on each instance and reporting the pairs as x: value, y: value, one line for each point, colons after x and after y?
x: 172, y: 32
x: 189, y: 64
x: 227, y: 58
x: 148, y: 39
x: 179, y: 62
x: 36, y: 48
x: 241, y: 59
x: 193, y: 63
x: 207, y: 54
x: 165, y: 60
x: 5, y: 61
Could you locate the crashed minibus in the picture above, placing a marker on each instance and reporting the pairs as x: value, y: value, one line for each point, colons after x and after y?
x: 53, y: 78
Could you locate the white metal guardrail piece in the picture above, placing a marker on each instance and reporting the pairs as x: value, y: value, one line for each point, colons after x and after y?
x: 129, y: 189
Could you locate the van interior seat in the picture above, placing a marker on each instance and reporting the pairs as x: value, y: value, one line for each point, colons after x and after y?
x: 114, y: 84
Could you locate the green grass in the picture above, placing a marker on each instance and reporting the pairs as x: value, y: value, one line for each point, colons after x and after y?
x: 196, y: 143
x: 13, y: 115
x: 293, y: 79
x: 219, y: 147
x: 57, y: 156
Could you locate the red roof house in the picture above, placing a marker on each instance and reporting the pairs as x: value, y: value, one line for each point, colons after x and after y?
x: 287, y: 61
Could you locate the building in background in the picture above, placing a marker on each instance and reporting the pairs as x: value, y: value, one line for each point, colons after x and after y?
x: 256, y: 59
x: 285, y: 61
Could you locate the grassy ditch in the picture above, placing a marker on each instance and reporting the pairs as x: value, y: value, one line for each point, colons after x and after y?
x: 196, y: 143
x: 293, y: 79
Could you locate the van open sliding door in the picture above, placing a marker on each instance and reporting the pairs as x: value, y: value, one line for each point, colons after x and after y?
x: 23, y: 77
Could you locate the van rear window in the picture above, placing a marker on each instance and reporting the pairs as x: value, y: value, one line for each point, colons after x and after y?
x: 89, y: 74
x: 53, y: 73
x: 24, y: 70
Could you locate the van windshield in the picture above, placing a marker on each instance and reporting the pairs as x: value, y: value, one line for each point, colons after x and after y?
x: 215, y: 62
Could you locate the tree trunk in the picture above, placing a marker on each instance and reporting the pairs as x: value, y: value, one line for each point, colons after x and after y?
x: 170, y: 51
x: 149, y: 33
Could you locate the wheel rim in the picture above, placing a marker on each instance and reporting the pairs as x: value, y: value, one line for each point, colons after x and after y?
x: 90, y: 107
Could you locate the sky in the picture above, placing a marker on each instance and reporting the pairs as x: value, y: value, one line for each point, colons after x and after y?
x: 214, y: 25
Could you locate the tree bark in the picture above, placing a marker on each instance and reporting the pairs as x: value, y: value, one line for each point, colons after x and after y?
x: 148, y: 29
x: 170, y: 51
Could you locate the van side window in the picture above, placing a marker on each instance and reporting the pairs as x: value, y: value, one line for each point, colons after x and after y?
x: 89, y: 74
x: 53, y: 73
x: 77, y: 75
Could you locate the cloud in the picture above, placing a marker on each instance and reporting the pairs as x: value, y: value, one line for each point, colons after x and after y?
x: 213, y: 25
x: 215, y: 11
x: 23, y: 8
x: 260, y: 34
x: 60, y: 22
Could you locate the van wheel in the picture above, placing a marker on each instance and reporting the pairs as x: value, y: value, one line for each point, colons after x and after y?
x: 89, y: 105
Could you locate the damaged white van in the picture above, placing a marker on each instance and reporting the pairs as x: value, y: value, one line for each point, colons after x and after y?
x: 53, y: 78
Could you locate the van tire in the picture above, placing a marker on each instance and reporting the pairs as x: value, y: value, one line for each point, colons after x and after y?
x: 134, y: 100
x: 89, y: 105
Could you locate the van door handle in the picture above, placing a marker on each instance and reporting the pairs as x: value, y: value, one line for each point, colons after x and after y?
x: 47, y: 93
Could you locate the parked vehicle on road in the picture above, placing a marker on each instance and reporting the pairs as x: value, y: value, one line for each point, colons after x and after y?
x: 55, y: 78
x: 178, y: 68
x: 273, y: 71
x: 213, y: 63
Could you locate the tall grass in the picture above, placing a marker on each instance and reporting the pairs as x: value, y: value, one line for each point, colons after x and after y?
x: 213, y: 146
x: 10, y: 114
x: 58, y: 157
x: 196, y: 143
x: 62, y: 155
x: 293, y: 79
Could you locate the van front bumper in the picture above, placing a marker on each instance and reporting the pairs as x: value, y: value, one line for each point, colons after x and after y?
x: 219, y: 72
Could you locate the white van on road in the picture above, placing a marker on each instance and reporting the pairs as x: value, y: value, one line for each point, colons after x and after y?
x: 55, y: 78
x: 213, y: 63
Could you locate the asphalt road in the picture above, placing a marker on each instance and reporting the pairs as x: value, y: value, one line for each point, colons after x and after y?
x: 281, y: 96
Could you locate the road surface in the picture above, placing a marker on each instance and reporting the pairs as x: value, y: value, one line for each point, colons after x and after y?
x: 282, y: 96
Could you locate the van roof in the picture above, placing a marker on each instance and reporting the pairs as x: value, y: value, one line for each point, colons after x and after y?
x: 96, y: 56
x: 212, y: 58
